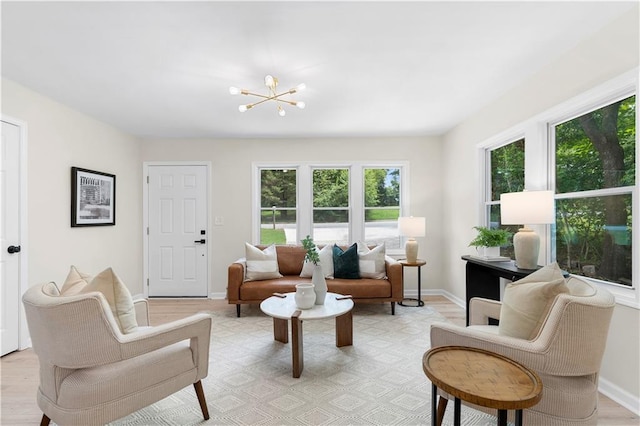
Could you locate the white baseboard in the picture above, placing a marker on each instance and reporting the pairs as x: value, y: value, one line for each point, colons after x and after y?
x: 218, y: 296
x: 619, y: 395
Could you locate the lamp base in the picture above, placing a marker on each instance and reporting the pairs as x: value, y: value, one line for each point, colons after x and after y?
x: 411, y: 250
x: 526, y: 244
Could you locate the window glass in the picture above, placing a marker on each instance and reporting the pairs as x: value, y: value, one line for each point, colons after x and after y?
x: 278, y: 203
x: 507, y: 169
x: 382, y: 206
x: 595, y: 155
x: 331, y: 206
x: 507, y: 175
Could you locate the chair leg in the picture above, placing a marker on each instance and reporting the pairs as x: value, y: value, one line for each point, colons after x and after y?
x: 45, y: 420
x: 201, y: 399
x: 238, y: 310
x: 442, y: 407
x: 393, y: 308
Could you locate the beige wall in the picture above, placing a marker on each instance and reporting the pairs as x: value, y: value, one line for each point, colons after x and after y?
x: 59, y: 138
x: 231, y: 185
x: 611, y: 52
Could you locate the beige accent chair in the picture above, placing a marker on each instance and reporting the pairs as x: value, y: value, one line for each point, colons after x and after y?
x: 91, y: 373
x: 566, y: 353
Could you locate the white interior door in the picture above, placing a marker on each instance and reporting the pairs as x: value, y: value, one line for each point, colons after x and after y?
x: 178, y: 234
x: 10, y: 238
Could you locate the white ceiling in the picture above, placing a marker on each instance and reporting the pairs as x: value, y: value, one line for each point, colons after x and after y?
x: 163, y: 69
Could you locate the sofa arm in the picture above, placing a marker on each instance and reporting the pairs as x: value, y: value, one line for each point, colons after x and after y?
x: 480, y: 310
x: 141, y: 307
x: 234, y: 281
x: 394, y: 275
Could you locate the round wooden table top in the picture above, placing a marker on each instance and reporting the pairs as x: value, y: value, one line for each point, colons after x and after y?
x: 482, y: 377
x: 418, y: 262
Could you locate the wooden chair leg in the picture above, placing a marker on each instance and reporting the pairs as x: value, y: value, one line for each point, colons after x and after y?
x: 201, y: 399
x: 45, y: 420
x: 442, y: 407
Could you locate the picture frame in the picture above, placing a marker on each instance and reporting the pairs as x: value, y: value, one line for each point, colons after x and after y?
x: 93, y: 198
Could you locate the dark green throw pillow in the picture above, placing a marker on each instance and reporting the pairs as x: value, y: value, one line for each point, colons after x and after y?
x: 345, y: 263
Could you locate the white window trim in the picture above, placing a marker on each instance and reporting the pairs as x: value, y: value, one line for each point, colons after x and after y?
x: 539, y: 162
x: 304, y: 170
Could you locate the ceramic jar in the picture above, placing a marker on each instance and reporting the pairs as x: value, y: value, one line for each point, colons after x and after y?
x: 305, y: 296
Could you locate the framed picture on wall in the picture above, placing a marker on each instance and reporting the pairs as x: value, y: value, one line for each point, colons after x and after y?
x: 93, y: 198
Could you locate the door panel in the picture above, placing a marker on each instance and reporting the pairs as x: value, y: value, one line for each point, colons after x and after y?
x: 9, y: 236
x: 177, y: 223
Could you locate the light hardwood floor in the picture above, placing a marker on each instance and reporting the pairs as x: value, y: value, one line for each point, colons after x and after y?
x: 19, y: 370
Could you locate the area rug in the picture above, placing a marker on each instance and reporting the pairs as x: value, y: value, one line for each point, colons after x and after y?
x: 377, y: 381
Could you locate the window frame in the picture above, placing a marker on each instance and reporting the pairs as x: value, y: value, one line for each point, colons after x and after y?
x: 304, y: 191
x: 540, y: 166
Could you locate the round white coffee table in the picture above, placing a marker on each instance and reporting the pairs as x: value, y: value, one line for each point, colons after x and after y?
x: 284, y: 308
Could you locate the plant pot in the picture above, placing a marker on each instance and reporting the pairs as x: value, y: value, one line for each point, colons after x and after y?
x: 489, y: 251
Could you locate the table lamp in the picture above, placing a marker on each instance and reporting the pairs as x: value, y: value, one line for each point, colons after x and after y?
x: 527, y: 208
x: 411, y: 227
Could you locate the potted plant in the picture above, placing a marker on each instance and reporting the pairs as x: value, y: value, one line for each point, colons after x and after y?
x: 488, y: 241
x: 318, y: 280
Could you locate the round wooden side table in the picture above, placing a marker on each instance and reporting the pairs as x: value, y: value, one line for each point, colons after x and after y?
x: 419, y: 263
x: 482, y: 378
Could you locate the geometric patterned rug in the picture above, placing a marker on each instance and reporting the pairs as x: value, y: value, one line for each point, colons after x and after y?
x: 377, y: 381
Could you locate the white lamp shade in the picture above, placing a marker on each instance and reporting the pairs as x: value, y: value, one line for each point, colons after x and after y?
x: 527, y: 207
x: 411, y: 226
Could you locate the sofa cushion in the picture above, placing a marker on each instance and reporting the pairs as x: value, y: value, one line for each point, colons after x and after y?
x: 118, y: 297
x: 345, y: 262
x: 526, y: 302
x: 261, y: 264
x: 326, y: 262
x: 371, y: 261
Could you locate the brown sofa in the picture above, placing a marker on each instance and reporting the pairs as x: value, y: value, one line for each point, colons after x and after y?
x: 290, y: 260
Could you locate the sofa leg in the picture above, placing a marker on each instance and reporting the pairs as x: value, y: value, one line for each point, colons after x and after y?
x: 393, y: 308
x: 45, y: 420
x: 238, y: 310
x: 201, y: 399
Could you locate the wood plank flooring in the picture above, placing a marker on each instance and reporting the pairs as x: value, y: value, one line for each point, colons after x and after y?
x: 19, y: 370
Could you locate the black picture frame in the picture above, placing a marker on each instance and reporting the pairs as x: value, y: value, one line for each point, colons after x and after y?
x: 93, y: 198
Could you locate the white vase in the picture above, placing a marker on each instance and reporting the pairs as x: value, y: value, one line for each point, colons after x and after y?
x: 319, y: 284
x: 305, y: 296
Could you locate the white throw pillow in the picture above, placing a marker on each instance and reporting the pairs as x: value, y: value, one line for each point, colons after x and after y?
x: 261, y: 264
x: 118, y: 297
x: 526, y: 302
x: 371, y: 261
x: 326, y: 262
x: 75, y: 282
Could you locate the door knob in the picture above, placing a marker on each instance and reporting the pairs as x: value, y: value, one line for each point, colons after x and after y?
x: 202, y: 241
x: 13, y: 249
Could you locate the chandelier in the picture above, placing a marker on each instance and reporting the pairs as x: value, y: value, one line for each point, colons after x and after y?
x: 272, y: 95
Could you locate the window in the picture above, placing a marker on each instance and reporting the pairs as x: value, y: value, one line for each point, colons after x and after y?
x: 278, y: 206
x: 382, y: 206
x: 506, y: 165
x: 331, y: 206
x: 334, y: 203
x: 594, y: 181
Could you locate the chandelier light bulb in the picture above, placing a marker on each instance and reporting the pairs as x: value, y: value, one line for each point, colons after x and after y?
x: 269, y: 81
x: 242, y: 108
x: 301, y: 105
x: 300, y: 87
x: 282, y: 112
x: 234, y: 90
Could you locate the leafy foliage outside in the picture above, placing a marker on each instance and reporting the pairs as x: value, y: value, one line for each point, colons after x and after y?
x: 596, y: 151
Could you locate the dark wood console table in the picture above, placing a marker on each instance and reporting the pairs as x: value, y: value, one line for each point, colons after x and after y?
x: 483, y: 277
